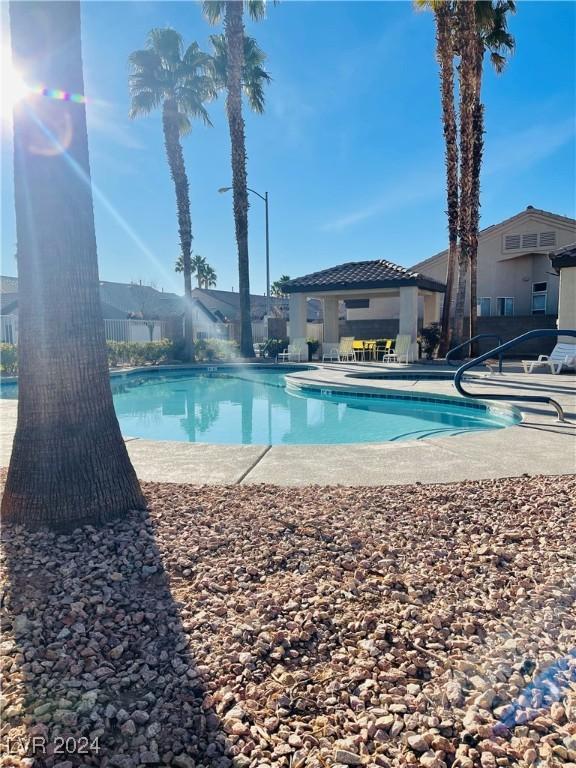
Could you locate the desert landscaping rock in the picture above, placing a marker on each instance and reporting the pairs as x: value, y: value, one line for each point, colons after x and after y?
x: 267, y: 627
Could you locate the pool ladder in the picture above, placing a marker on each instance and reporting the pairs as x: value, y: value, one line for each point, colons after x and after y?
x: 544, y: 333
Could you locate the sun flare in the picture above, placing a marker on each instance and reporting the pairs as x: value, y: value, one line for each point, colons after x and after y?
x: 14, y: 87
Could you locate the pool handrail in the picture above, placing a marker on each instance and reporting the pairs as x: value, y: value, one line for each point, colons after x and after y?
x: 478, y: 336
x: 538, y: 333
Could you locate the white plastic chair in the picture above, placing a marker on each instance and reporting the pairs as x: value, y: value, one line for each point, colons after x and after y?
x: 344, y: 352
x: 295, y: 351
x: 402, y: 349
x: 562, y: 356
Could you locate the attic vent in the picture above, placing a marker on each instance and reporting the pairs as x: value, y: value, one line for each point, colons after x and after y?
x: 511, y: 242
x: 530, y: 241
x: 547, y: 239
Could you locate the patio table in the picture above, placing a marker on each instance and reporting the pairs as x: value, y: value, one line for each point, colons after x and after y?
x: 364, y: 349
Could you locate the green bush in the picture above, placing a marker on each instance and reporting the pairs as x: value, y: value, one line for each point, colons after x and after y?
x: 9, y: 359
x: 207, y: 350
x: 273, y: 347
x: 430, y: 338
x: 138, y: 353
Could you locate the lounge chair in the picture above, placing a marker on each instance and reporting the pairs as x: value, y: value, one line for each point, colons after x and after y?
x: 342, y: 353
x: 562, y: 356
x: 402, y: 349
x: 296, y: 352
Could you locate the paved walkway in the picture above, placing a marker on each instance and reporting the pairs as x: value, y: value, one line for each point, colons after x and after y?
x: 538, y: 445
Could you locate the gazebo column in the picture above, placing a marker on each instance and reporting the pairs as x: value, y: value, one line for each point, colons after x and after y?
x: 298, y: 316
x: 331, y: 323
x: 432, y: 308
x: 409, y: 315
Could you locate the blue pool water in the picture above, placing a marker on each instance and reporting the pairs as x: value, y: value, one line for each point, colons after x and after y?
x: 255, y: 407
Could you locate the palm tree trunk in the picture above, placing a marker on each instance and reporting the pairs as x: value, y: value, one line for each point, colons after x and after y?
x: 234, y: 31
x: 178, y: 172
x: 445, y: 55
x: 69, y: 464
x: 466, y: 14
x: 478, y: 129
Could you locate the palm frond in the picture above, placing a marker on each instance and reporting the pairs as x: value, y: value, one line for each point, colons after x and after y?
x: 167, y: 43
x: 213, y: 10
x: 144, y: 60
x: 256, y: 9
x: 144, y: 102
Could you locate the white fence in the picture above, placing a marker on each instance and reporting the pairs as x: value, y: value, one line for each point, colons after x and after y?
x: 210, y: 331
x: 313, y: 331
x: 9, y: 329
x: 259, y: 332
x: 135, y: 330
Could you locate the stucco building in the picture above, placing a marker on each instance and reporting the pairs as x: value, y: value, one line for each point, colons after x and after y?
x: 515, y: 278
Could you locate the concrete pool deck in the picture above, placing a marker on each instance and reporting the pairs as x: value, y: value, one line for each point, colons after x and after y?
x: 539, y: 445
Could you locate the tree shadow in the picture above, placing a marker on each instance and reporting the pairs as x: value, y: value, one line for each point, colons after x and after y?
x: 95, y: 657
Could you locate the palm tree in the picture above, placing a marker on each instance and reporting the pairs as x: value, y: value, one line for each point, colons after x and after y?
x: 69, y: 464
x: 445, y: 19
x: 231, y: 12
x: 277, y: 287
x: 209, y: 277
x: 466, y: 21
x: 164, y: 75
x: 197, y: 266
x: 492, y: 37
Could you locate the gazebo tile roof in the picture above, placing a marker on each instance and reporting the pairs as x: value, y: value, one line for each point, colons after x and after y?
x: 361, y: 275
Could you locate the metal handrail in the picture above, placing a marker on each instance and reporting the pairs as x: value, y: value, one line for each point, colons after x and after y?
x: 471, y: 341
x: 539, y: 333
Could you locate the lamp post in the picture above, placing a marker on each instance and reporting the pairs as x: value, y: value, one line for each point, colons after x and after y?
x: 265, y: 198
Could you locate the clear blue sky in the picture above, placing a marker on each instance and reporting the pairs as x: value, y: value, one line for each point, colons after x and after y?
x: 350, y: 148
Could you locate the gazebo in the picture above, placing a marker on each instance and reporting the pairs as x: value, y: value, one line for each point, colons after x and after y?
x: 364, y: 280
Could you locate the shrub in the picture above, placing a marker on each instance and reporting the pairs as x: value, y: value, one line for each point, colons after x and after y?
x: 273, y: 347
x: 138, y: 353
x: 313, y: 345
x: 9, y: 359
x: 430, y: 337
x: 207, y: 350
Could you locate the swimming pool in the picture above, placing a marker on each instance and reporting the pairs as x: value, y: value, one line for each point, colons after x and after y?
x: 261, y: 407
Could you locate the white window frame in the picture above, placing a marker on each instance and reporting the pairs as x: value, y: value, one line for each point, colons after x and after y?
x: 479, y: 306
x: 504, y: 299
x: 539, y: 293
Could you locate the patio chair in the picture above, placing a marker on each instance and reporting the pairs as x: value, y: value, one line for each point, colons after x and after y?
x: 344, y: 352
x: 296, y: 351
x: 562, y: 356
x: 385, y: 350
x: 402, y: 349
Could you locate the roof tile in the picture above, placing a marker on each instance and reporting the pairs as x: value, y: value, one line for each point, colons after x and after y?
x: 361, y: 274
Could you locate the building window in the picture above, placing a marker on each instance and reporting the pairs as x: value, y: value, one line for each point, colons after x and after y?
x: 505, y: 306
x: 539, y: 294
x: 484, y: 306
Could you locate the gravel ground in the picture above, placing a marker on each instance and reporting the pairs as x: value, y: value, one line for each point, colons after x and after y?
x: 263, y: 626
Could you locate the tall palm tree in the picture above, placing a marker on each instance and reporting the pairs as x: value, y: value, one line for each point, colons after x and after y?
x: 467, y: 39
x: 209, y: 277
x: 445, y: 20
x: 179, y: 81
x: 232, y: 13
x: 69, y: 464
x: 197, y: 266
x: 492, y: 37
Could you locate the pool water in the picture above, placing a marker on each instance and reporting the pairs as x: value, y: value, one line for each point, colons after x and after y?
x: 255, y: 407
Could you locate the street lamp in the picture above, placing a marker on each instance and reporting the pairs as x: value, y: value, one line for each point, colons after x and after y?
x: 265, y: 198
